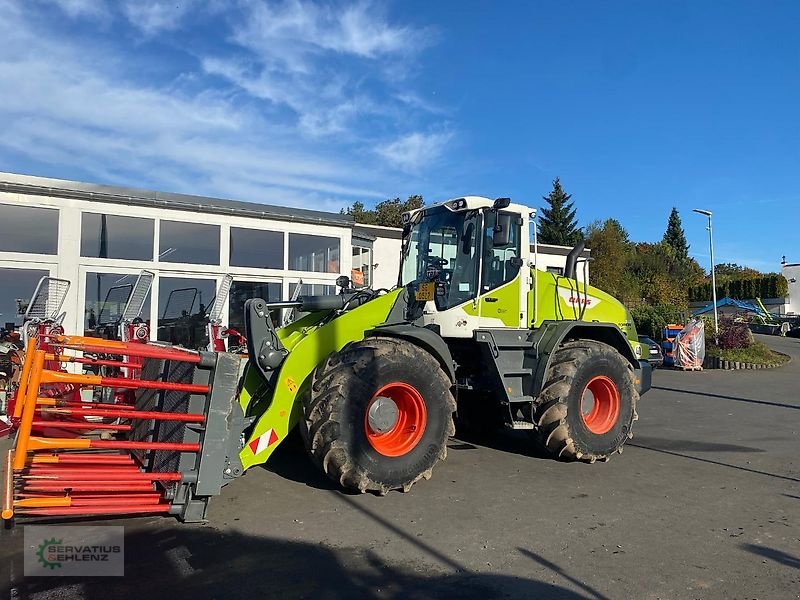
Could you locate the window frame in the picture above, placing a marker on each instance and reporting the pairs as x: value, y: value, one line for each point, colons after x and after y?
x: 43, y: 257
x: 288, y: 261
x: 158, y: 260
x: 284, y: 248
x: 50, y: 269
x: 153, y: 245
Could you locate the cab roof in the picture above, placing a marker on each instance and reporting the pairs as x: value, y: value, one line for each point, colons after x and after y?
x: 465, y: 203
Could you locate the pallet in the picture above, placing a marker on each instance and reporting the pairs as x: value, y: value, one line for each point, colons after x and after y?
x: 688, y: 368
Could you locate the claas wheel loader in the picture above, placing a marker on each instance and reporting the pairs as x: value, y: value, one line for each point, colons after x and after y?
x: 373, y: 379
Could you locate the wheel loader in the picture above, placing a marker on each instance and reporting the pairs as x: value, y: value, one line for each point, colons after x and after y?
x: 374, y: 380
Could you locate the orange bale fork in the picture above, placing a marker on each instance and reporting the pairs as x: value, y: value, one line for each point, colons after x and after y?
x: 75, y: 456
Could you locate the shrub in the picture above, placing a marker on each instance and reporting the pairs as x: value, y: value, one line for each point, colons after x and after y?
x: 758, y: 353
x: 650, y: 320
x: 733, y: 334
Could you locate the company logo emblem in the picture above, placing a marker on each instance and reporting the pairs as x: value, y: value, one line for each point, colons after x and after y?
x: 46, y: 554
x: 577, y: 299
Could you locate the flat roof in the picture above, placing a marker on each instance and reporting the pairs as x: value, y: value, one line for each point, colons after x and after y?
x: 377, y: 231
x: 62, y: 188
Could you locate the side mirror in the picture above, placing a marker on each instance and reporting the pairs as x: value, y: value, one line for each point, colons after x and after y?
x: 501, y: 203
x: 343, y: 281
x: 466, y: 239
x: 502, y: 231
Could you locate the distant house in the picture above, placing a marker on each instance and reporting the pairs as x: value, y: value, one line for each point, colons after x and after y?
x: 791, y: 271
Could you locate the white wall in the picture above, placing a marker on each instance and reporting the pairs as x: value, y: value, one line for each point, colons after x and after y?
x: 792, y: 272
x: 386, y: 255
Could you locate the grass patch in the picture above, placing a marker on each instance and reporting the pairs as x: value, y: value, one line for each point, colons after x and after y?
x: 757, y: 353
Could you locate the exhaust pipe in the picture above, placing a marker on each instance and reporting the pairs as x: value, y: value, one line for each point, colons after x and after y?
x: 570, y: 269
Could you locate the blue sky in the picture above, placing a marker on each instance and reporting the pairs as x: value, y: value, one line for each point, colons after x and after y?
x: 636, y: 106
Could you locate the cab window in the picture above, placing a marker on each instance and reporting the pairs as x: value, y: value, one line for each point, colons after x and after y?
x: 501, y: 250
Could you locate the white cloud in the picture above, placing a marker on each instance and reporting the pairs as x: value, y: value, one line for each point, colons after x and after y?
x: 269, y: 134
x: 415, y: 151
x: 294, y: 49
x: 285, y: 33
x: 82, y: 8
x: 154, y: 16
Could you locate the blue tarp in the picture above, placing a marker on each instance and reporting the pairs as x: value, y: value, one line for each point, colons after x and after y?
x: 727, y: 301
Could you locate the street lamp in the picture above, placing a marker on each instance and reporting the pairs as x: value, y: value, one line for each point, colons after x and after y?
x: 707, y: 213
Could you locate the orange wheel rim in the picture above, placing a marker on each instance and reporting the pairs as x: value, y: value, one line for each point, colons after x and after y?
x: 395, y: 419
x: 603, y: 413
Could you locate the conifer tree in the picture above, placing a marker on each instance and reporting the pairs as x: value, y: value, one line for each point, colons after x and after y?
x: 674, y: 237
x: 557, y: 222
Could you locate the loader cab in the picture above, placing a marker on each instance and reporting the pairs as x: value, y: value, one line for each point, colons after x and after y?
x: 463, y: 258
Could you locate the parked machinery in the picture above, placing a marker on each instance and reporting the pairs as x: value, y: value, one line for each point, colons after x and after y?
x: 373, y: 378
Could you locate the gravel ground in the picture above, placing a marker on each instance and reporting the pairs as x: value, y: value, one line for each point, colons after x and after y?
x: 704, y: 503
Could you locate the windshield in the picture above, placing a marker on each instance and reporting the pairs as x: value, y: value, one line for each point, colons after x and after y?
x: 442, y: 247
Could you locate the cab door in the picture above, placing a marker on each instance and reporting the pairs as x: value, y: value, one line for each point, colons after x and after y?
x: 500, y: 293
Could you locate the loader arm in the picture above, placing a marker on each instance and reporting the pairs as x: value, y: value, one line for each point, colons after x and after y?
x: 309, y: 341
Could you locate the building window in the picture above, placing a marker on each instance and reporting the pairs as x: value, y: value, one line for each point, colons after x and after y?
x: 241, y: 291
x: 182, y: 307
x: 316, y: 253
x: 556, y: 270
x: 256, y: 248
x: 362, y: 266
x: 106, y: 297
x: 113, y: 236
x: 16, y: 288
x: 27, y: 229
x: 192, y: 243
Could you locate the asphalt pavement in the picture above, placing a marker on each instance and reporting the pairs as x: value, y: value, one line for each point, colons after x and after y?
x: 703, y: 503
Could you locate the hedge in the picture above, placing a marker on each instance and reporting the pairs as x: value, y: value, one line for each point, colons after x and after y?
x: 769, y: 286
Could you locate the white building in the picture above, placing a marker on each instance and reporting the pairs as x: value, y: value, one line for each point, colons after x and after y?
x: 791, y: 271
x: 99, y: 237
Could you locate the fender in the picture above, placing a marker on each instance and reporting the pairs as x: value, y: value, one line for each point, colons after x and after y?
x: 425, y: 338
x: 551, y: 334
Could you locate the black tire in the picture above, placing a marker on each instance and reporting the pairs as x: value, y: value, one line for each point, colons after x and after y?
x: 335, y: 408
x: 561, y: 428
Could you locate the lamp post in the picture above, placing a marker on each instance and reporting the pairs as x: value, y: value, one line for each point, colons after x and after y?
x: 708, y: 213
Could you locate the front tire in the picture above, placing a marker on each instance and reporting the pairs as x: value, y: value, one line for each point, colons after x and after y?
x: 587, y: 404
x: 378, y: 415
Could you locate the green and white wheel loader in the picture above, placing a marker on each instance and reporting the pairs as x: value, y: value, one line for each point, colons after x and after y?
x: 473, y: 329
x: 374, y: 379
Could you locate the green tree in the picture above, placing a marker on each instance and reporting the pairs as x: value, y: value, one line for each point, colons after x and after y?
x: 557, y: 222
x: 611, y: 249
x: 388, y: 213
x: 729, y: 271
x: 360, y: 214
x: 674, y: 237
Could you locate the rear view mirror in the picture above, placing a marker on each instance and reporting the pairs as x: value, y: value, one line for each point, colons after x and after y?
x: 502, y: 230
x: 501, y: 203
x: 466, y: 239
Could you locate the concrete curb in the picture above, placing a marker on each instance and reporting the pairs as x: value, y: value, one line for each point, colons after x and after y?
x: 715, y: 362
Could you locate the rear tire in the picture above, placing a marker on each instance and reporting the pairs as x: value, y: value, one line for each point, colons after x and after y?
x: 337, y: 426
x: 586, y: 372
